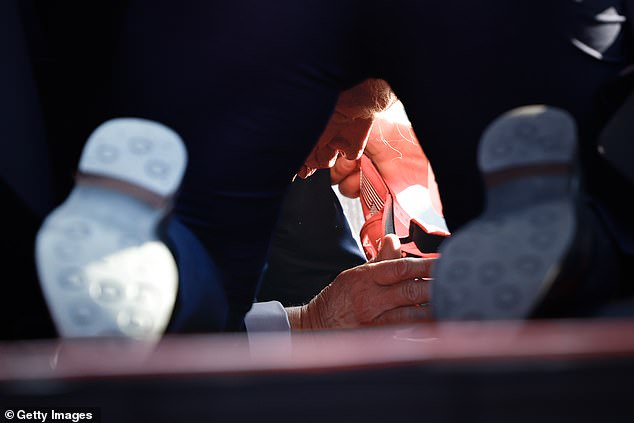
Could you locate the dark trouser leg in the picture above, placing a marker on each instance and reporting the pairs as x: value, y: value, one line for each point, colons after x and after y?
x: 462, y: 64
x: 249, y: 87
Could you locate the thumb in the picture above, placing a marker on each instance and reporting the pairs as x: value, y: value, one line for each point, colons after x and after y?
x: 390, y: 248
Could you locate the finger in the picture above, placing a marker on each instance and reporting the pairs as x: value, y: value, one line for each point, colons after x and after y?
x: 342, y: 169
x: 389, y: 272
x: 405, y: 315
x: 406, y: 293
x: 350, y: 187
x: 390, y: 248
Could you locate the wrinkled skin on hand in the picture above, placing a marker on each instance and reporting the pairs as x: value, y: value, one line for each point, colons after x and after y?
x: 386, y: 291
x: 347, y: 130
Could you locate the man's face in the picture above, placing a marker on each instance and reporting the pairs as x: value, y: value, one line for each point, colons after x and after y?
x: 346, y: 133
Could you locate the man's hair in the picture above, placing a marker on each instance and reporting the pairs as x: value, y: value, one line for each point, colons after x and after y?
x: 369, y: 97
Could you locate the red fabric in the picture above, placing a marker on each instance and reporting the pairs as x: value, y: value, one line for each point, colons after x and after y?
x: 396, y: 173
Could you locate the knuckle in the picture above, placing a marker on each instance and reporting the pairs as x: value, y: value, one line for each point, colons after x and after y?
x: 400, y: 269
x: 352, y: 274
x: 412, y: 291
x: 357, y: 274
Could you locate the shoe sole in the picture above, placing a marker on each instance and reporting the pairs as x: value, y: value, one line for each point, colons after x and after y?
x: 501, y: 265
x: 103, y: 270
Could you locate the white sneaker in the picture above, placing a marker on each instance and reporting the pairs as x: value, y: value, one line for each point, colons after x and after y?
x: 102, y: 267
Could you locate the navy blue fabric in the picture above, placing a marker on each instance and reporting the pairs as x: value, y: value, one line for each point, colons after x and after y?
x: 200, y: 305
x: 312, y: 243
x: 24, y: 165
x: 250, y: 85
x: 25, y: 183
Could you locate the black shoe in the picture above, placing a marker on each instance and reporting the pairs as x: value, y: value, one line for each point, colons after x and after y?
x: 508, y: 263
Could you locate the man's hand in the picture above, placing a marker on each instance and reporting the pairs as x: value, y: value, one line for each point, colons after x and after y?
x: 385, y: 291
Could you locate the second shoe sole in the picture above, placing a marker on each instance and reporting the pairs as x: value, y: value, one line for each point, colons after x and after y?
x: 502, y: 265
